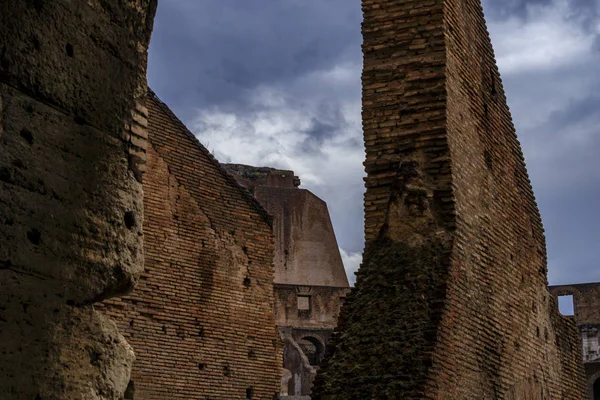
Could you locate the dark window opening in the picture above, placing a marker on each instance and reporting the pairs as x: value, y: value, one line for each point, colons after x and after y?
x: 566, y: 305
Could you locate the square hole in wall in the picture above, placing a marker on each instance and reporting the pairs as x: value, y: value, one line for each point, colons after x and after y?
x: 303, y: 303
x: 566, y: 306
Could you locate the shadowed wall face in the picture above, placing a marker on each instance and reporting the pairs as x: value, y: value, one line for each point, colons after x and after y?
x: 452, y: 294
x: 72, y: 152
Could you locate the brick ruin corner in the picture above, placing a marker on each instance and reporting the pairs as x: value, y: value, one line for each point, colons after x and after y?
x: 72, y: 151
x: 451, y: 301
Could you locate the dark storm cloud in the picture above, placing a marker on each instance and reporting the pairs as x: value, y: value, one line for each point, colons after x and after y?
x: 577, y: 111
x: 217, y: 52
x: 569, y: 206
x: 510, y: 8
x: 328, y: 122
x: 218, y: 56
x: 317, y: 133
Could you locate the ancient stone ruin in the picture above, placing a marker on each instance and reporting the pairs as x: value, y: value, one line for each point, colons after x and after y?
x: 201, y: 319
x: 310, y: 281
x: 583, y: 299
x: 451, y: 301
x: 72, y: 140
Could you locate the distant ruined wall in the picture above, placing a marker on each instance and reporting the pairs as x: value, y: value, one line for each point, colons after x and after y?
x: 451, y: 299
x: 325, y: 303
x: 310, y: 280
x: 72, y: 139
x: 201, y: 320
x: 586, y: 314
x: 251, y: 177
x: 586, y: 301
x: 306, y: 249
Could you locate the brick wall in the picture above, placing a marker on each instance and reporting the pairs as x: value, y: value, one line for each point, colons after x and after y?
x: 451, y: 299
x: 201, y: 318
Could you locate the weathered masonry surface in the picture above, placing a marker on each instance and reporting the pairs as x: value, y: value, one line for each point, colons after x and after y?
x: 585, y: 300
x: 451, y: 301
x: 201, y: 319
x: 72, y: 140
x: 306, y: 250
x: 310, y: 280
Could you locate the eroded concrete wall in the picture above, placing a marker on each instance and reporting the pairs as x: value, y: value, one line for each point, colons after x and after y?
x: 72, y: 79
x: 306, y: 250
x: 451, y: 300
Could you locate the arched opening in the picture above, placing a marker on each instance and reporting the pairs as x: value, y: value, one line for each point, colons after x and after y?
x: 312, y: 349
x: 596, y: 389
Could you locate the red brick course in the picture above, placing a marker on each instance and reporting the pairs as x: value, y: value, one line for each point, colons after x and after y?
x: 201, y: 318
x: 451, y: 301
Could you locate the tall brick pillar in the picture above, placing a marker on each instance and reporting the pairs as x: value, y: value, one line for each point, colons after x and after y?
x: 451, y: 300
x: 72, y: 151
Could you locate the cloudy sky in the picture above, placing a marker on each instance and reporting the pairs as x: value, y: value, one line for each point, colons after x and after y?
x: 277, y: 83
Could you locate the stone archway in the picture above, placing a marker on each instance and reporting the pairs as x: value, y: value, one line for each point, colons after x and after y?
x: 593, y: 384
x: 313, y: 348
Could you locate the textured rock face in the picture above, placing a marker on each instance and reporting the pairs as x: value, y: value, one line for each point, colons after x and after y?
x: 451, y: 301
x: 72, y: 140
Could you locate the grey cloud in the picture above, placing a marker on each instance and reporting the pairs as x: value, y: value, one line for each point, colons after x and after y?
x: 510, y: 8
x: 327, y: 123
x: 570, y: 98
x: 321, y: 130
x: 584, y: 12
x: 218, y: 52
x: 563, y: 173
x: 578, y: 110
x: 562, y: 169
